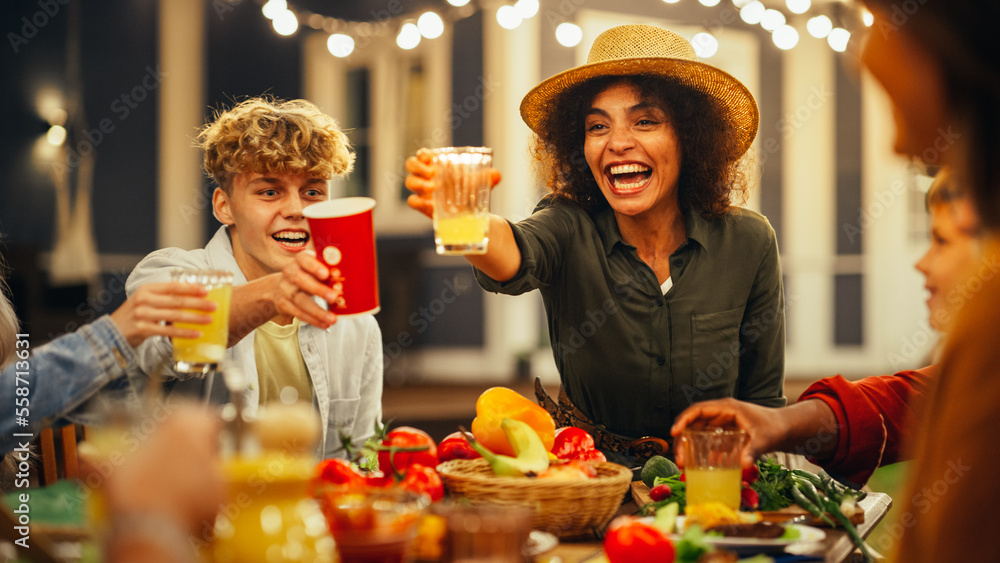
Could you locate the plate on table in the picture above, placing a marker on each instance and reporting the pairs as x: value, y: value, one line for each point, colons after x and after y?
x: 538, y: 543
x: 806, y: 534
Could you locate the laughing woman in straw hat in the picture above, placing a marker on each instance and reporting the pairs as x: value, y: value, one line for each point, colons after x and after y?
x: 659, y: 293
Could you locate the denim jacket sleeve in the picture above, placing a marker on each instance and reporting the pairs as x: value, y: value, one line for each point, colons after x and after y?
x: 64, y: 380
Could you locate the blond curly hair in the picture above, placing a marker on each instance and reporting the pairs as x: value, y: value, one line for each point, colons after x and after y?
x: 267, y: 135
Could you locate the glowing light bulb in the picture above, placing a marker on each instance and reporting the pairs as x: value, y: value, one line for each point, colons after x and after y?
x: 867, y: 18
x: 340, y: 45
x: 798, y: 6
x: 709, y: 3
x: 569, y: 34
x: 772, y: 20
x: 508, y: 18
x: 526, y: 8
x: 273, y: 8
x: 430, y: 25
x: 285, y: 23
x: 409, y: 36
x: 56, y: 135
x: 819, y: 26
x: 753, y: 12
x: 671, y: 1
x: 785, y: 37
x: 705, y: 44
x: 458, y: 3
x: 838, y: 39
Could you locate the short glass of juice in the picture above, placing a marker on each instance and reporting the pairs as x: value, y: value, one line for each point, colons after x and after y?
x: 712, y: 465
x: 203, y: 355
x: 462, y: 183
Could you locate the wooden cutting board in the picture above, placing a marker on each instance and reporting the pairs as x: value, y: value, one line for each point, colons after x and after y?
x: 640, y: 494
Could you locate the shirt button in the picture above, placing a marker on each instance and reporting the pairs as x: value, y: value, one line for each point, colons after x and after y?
x: 660, y: 360
x: 678, y: 263
x: 658, y: 408
x: 659, y: 302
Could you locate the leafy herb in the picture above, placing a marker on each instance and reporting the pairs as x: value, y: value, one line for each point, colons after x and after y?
x: 774, y: 486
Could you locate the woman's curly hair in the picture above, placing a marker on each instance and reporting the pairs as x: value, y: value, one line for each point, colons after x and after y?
x: 710, y: 178
x: 274, y: 136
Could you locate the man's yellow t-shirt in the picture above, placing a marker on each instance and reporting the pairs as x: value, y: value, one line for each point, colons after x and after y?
x: 279, y: 361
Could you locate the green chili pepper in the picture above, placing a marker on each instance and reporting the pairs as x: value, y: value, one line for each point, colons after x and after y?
x: 834, y: 508
x: 806, y: 490
x: 808, y: 476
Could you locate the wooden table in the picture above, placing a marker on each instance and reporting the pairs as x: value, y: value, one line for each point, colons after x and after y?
x: 835, y: 548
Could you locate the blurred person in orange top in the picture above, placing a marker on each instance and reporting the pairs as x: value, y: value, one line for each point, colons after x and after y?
x: 851, y: 428
x: 939, y: 62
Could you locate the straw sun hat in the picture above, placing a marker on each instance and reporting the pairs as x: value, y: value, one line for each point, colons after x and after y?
x: 648, y: 50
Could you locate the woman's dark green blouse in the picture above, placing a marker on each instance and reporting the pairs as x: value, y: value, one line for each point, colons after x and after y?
x: 632, y: 358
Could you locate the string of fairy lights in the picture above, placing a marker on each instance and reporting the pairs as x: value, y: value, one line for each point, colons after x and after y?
x: 829, y: 21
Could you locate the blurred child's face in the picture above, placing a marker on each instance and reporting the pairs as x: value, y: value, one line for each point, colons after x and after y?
x: 264, y: 212
x: 947, y: 266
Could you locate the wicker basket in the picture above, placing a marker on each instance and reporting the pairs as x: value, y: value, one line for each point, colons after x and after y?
x: 564, y: 508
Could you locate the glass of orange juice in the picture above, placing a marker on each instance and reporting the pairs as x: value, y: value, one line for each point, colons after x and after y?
x: 462, y: 199
x: 204, y: 354
x: 712, y: 465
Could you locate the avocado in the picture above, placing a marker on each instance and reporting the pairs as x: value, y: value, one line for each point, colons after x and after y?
x: 658, y: 466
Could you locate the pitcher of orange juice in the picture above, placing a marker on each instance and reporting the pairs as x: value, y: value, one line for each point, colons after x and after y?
x: 269, y: 515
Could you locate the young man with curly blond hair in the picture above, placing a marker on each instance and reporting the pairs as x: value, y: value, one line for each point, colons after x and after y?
x: 269, y: 160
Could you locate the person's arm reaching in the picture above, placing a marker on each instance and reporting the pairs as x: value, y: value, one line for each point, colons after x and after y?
x: 503, y: 258
x: 850, y: 428
x: 770, y: 429
x: 61, y: 376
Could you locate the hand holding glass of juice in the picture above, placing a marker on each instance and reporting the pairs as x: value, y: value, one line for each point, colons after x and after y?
x: 204, y: 354
x: 712, y: 465
x: 462, y: 184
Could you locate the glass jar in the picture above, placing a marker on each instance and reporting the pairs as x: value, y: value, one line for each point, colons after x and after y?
x: 269, y: 515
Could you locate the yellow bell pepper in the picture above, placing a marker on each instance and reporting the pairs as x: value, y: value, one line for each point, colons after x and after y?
x: 498, y: 403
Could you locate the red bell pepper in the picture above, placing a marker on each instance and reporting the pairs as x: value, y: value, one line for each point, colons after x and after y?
x: 455, y: 446
x: 571, y: 442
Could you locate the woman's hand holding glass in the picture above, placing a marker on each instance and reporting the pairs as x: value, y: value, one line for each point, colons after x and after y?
x: 419, y: 180
x: 154, y: 307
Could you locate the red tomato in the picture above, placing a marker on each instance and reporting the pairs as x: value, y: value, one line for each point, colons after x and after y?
x: 571, y: 441
x: 422, y: 479
x: 591, y: 455
x: 406, y: 437
x: 751, y: 474
x: 455, y: 446
x: 338, y: 472
x: 629, y: 540
x: 749, y: 500
x: 377, y: 480
x: 660, y: 492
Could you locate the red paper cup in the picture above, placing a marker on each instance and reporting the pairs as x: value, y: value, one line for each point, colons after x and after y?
x: 344, y: 238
